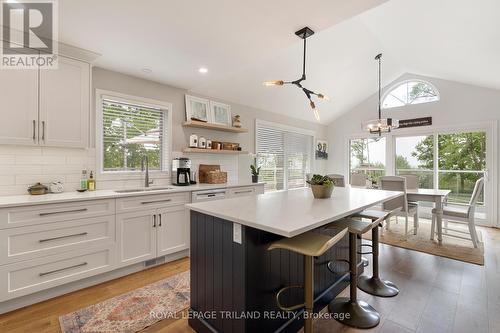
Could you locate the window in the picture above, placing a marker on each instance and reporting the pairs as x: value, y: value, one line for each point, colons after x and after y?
x: 130, y: 131
x: 415, y: 156
x: 283, y: 155
x: 367, y: 155
x: 410, y: 92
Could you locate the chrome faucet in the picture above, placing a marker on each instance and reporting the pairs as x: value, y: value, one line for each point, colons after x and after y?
x: 145, y: 167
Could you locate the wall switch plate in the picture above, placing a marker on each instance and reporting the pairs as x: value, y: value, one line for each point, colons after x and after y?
x: 237, y: 233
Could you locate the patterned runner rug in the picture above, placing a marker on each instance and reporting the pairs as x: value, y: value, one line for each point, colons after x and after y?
x: 132, y: 312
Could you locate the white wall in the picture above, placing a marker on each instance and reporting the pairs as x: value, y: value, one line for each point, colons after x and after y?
x: 24, y: 166
x: 460, y: 105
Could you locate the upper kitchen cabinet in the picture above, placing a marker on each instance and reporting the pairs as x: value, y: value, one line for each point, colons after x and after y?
x: 19, y: 106
x: 65, y: 104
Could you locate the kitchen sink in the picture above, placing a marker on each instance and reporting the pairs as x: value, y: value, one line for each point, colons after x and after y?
x: 148, y: 189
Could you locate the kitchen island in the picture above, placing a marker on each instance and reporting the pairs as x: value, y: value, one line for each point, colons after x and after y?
x: 234, y: 279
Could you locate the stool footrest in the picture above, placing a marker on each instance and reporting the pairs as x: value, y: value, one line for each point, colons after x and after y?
x: 289, y: 308
x: 330, y: 268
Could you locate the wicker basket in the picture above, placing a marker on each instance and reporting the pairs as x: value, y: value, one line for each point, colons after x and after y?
x: 211, y: 174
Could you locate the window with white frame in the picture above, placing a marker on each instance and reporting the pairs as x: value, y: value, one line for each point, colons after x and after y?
x: 131, y: 130
x: 410, y: 92
x: 367, y: 156
x: 284, y: 156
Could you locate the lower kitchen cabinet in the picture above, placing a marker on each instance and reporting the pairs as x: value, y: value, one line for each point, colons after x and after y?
x: 154, y: 233
x: 136, y: 235
x: 173, y: 230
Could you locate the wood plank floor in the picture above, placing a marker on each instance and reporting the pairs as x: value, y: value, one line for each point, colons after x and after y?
x: 437, y: 295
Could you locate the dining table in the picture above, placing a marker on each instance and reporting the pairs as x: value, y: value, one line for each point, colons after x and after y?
x: 431, y: 195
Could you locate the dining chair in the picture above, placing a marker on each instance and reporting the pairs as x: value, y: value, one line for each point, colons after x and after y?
x: 411, y: 184
x: 463, y: 215
x: 338, y: 180
x: 359, y: 179
x: 400, y: 206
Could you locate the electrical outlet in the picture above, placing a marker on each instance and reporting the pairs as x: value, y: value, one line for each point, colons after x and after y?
x: 237, y: 233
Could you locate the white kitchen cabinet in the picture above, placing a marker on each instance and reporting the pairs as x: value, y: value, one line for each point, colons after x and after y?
x: 173, y: 230
x: 64, y: 104
x: 19, y: 106
x: 136, y: 233
x: 245, y: 191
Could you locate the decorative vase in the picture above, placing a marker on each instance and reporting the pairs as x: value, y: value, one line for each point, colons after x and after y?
x: 255, y: 179
x: 322, y: 191
x: 237, y: 121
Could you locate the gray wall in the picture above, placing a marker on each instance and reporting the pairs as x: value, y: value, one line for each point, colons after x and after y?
x: 460, y: 104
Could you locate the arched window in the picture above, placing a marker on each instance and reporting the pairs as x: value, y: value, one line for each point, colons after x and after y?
x: 410, y: 92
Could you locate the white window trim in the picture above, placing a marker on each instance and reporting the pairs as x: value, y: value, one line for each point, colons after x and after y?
x: 167, y: 132
x: 399, y: 83
x: 492, y: 153
x: 287, y: 128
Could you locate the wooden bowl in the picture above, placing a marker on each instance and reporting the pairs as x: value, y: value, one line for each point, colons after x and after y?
x: 322, y: 191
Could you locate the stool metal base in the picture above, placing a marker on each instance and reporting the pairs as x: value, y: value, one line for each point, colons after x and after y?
x: 357, y: 314
x: 377, y: 287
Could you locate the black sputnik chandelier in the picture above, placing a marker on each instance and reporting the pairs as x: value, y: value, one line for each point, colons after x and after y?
x: 303, y: 33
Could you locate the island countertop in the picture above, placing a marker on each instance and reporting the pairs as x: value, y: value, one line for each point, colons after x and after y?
x: 290, y: 213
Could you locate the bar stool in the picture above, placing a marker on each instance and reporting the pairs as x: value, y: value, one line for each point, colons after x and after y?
x: 310, y: 245
x: 374, y: 285
x: 361, y: 314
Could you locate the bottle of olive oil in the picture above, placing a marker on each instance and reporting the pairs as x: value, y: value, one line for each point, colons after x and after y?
x: 91, y: 182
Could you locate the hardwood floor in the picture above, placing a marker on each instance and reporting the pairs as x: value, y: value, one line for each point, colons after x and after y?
x: 437, y: 295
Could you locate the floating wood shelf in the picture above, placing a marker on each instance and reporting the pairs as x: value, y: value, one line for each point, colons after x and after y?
x: 213, y: 151
x: 200, y: 124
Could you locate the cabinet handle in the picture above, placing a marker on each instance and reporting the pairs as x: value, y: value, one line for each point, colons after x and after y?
x: 154, y: 221
x: 62, y: 237
x: 62, y: 269
x: 43, y: 130
x: 241, y: 192
x: 63, y: 212
x: 159, y: 217
x: 211, y: 195
x: 153, y: 202
x: 34, y: 130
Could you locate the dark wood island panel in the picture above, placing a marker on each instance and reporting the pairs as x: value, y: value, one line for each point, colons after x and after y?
x: 233, y: 286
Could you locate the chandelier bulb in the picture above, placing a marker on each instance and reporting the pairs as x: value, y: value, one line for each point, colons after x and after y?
x: 316, y: 114
x: 323, y: 97
x: 274, y: 83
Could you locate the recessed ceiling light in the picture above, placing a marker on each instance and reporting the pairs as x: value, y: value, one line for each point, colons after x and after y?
x: 147, y: 70
x: 203, y: 70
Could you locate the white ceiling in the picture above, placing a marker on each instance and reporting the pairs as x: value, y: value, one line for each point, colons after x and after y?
x: 243, y: 43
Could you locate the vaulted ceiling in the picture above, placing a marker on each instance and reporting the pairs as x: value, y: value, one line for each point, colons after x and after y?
x: 243, y: 43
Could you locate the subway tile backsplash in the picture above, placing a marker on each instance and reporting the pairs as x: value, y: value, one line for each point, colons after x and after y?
x: 21, y: 167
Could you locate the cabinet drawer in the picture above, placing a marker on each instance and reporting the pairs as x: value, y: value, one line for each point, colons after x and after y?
x: 131, y: 204
x: 30, y: 276
x: 40, y: 214
x: 242, y: 191
x: 36, y: 241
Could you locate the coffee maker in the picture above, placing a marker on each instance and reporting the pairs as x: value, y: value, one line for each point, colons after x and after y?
x: 181, y: 171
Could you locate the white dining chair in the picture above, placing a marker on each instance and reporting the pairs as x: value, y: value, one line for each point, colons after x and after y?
x: 411, y: 184
x: 338, y: 180
x: 359, y: 179
x: 462, y: 215
x: 400, y: 206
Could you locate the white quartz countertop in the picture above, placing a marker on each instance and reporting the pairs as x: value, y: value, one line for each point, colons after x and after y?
x: 27, y: 200
x: 290, y: 213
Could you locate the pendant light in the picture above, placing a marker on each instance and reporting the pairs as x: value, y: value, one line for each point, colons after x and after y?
x: 303, y: 33
x: 380, y: 125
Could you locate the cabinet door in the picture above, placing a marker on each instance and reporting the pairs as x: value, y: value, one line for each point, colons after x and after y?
x: 136, y: 236
x: 19, y: 106
x: 173, y: 230
x: 64, y: 104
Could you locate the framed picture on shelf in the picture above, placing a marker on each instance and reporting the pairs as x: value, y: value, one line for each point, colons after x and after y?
x: 321, y: 150
x: 198, y: 109
x: 221, y: 113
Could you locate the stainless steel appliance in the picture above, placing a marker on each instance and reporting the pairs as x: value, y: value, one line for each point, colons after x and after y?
x: 181, y: 171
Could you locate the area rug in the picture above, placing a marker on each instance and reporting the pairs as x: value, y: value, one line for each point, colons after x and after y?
x: 131, y: 312
x: 453, y: 248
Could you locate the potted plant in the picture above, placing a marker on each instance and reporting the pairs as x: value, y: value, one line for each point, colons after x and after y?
x: 321, y: 186
x: 255, y: 173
